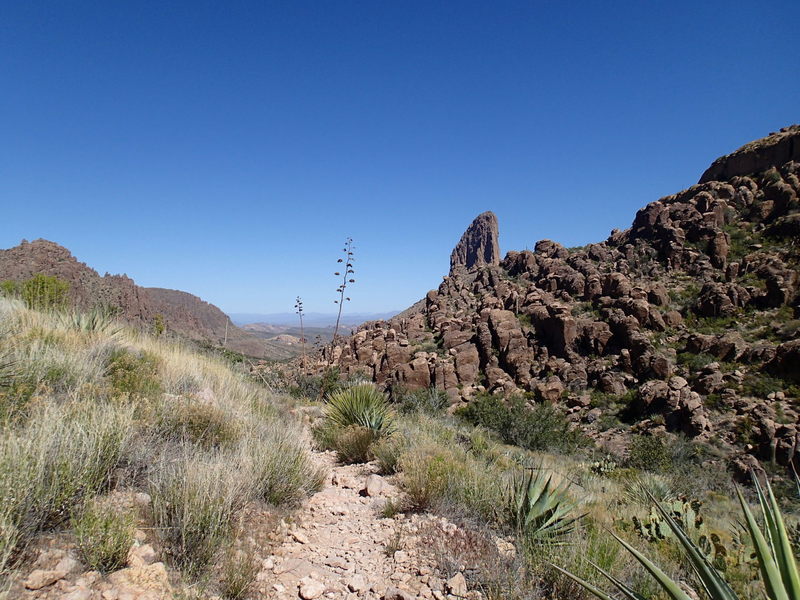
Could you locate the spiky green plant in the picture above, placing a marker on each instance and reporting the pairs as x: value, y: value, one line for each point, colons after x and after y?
x: 772, y: 548
x: 363, y: 405
x: 538, y: 509
x: 97, y: 320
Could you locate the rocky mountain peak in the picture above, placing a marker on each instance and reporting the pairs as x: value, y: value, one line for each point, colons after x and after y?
x: 478, y: 246
x: 777, y: 148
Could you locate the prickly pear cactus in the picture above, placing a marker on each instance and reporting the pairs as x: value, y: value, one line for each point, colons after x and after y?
x: 604, y: 466
x: 686, y: 513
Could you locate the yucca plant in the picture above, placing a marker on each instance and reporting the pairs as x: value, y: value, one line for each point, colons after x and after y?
x: 772, y: 548
x: 98, y: 320
x: 363, y: 405
x: 538, y: 509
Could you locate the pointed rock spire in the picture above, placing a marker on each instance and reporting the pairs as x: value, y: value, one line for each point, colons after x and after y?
x: 478, y: 246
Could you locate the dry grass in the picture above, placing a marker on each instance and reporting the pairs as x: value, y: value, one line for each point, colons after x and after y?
x: 87, y: 405
x: 456, y: 470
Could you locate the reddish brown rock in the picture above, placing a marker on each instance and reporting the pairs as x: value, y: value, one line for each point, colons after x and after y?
x: 479, y: 245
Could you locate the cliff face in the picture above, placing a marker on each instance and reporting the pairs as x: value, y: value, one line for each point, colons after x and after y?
x: 183, y: 313
x: 686, y: 321
x: 479, y: 245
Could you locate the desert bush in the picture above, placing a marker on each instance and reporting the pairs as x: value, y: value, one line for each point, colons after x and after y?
x: 281, y: 469
x: 194, y: 496
x: 355, y: 418
x: 317, y: 386
x: 387, y: 452
x: 197, y: 422
x: 134, y: 373
x: 63, y: 455
x: 430, y: 400
x: 104, y: 535
x: 541, y: 427
x: 449, y: 479
x: 648, y: 453
x: 44, y: 292
x: 352, y: 444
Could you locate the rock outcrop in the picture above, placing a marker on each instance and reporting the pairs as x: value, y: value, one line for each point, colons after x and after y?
x: 182, y: 313
x: 686, y: 321
x: 479, y: 245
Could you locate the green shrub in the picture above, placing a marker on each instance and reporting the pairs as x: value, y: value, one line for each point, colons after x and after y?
x: 430, y: 400
x: 134, y: 373
x: 450, y: 479
x: 363, y: 405
x: 648, y: 453
x: 44, y: 292
x: 104, y: 536
x: 695, y: 362
x: 355, y: 418
x: 541, y: 427
x: 199, y: 423
x: 387, y: 451
x: 759, y: 385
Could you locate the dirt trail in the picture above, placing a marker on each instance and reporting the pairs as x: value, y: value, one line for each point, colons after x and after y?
x: 339, y: 546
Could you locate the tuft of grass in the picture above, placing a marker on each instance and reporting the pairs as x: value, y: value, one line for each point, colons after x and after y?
x: 60, y: 457
x: 197, y: 422
x: 281, y: 469
x: 104, y: 536
x: 194, y: 497
x: 237, y: 574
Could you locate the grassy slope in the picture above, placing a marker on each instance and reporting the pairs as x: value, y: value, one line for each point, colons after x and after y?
x: 89, y: 408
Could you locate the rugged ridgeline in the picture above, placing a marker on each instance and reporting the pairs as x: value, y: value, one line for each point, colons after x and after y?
x: 183, y: 313
x: 686, y: 321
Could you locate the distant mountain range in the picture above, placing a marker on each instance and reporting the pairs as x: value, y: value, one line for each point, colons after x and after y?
x: 273, y: 336
x: 311, y: 319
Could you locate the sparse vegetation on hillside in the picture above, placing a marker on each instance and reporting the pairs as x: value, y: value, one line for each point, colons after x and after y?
x: 91, y: 408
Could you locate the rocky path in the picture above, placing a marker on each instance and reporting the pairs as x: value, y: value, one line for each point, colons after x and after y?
x: 339, y: 546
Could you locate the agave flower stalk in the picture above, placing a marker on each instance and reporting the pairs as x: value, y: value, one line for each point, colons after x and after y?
x: 298, y: 308
x: 346, y: 274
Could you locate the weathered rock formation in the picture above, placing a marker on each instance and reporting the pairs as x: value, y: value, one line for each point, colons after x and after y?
x: 686, y: 321
x: 183, y: 313
x: 478, y: 246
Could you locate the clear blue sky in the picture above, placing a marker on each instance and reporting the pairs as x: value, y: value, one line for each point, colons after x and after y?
x: 227, y: 148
